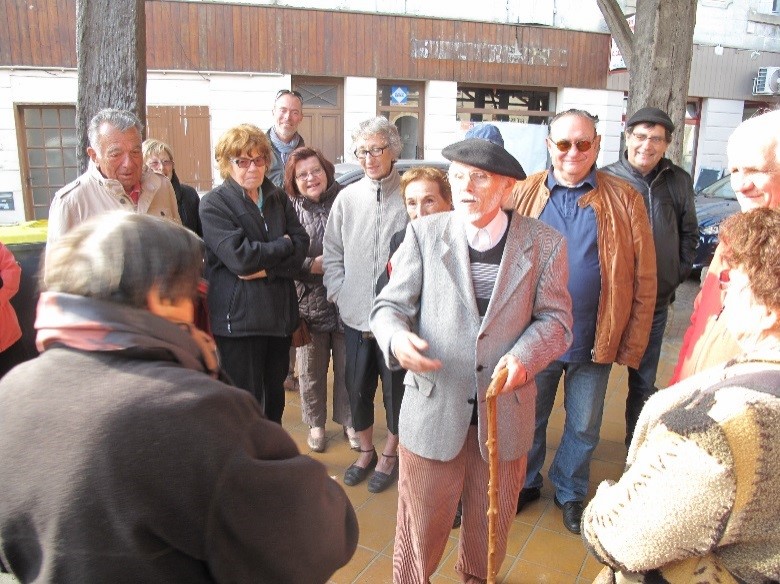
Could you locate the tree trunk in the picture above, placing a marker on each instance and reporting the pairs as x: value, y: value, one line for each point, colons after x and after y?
x: 111, y: 61
x: 659, y: 63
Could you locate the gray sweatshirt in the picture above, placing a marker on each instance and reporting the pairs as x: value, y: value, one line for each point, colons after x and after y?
x: 364, y: 217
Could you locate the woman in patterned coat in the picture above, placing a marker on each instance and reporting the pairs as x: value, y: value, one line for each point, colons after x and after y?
x: 699, y: 498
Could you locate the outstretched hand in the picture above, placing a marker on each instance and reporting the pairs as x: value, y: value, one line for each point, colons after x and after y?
x: 408, y: 348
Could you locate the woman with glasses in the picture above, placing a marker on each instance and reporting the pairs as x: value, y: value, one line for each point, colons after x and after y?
x: 698, y: 499
x: 310, y: 184
x: 357, y: 244
x: 255, y: 247
x: 158, y: 157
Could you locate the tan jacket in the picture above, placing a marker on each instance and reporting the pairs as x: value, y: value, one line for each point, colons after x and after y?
x: 92, y: 194
x: 626, y: 257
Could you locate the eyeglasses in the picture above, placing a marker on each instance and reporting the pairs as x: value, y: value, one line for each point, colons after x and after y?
x: 374, y: 152
x: 157, y: 163
x: 245, y: 162
x: 476, y: 177
x: 565, y: 145
x: 313, y: 173
x: 282, y: 92
x: 654, y: 140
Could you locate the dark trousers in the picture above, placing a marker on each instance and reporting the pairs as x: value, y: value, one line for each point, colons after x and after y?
x: 12, y: 356
x: 641, y: 381
x: 258, y: 364
x: 365, y: 364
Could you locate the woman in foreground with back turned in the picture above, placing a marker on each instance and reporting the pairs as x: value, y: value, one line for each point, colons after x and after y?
x: 127, y: 458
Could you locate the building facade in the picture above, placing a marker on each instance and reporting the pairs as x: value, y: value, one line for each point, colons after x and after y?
x: 433, y: 67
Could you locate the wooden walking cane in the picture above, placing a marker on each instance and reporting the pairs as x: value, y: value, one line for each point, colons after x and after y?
x: 492, y: 447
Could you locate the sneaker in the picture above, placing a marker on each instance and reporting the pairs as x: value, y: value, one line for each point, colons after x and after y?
x: 351, y: 435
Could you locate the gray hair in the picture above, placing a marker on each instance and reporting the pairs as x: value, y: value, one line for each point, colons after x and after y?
x: 580, y: 113
x: 379, y: 126
x: 122, y: 120
x: 119, y: 256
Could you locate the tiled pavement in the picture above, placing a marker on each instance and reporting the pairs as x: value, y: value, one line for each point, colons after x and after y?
x: 540, y: 549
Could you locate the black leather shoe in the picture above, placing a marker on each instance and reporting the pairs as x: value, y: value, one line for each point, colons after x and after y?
x: 527, y: 496
x: 458, y: 516
x: 572, y: 514
x: 379, y: 481
x: 357, y: 474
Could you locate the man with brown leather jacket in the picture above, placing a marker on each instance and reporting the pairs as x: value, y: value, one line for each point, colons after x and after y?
x: 612, y: 282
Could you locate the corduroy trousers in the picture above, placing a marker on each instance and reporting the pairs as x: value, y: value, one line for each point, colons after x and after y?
x: 428, y: 493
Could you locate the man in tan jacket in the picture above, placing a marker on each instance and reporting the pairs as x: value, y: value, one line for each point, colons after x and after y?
x: 612, y: 282
x: 115, y: 178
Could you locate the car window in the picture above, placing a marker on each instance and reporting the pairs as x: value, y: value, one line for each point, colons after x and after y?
x: 720, y: 189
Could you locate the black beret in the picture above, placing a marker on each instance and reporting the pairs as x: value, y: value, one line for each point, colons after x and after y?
x: 651, y: 115
x: 485, y: 155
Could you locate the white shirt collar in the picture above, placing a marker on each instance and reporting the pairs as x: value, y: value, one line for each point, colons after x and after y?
x: 487, y: 237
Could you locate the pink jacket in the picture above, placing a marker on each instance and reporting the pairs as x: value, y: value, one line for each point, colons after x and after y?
x: 10, y: 331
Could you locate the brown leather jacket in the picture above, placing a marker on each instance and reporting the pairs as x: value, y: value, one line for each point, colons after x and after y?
x: 626, y: 257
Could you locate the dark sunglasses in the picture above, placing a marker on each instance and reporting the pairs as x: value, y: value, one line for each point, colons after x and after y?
x: 282, y: 92
x: 581, y: 145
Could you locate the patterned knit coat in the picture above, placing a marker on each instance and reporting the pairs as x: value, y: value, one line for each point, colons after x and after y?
x: 700, y: 498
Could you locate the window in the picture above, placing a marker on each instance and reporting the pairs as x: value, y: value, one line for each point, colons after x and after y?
x: 48, y: 151
x: 491, y: 104
x: 402, y: 103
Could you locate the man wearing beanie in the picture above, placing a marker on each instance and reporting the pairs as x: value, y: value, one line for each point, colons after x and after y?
x: 473, y: 291
x: 611, y: 263
x: 667, y: 191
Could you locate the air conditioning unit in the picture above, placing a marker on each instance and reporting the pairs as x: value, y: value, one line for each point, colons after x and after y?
x: 767, y: 82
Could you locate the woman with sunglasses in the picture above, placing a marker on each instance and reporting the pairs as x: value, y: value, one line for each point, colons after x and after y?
x: 310, y: 184
x: 255, y: 247
x: 698, y: 500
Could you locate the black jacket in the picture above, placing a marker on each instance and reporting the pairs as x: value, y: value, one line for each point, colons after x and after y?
x: 188, y: 201
x: 670, y: 205
x: 240, y: 240
x: 321, y: 315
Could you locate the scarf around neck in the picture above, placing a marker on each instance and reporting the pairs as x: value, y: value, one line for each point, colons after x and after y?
x: 94, y: 325
x: 284, y: 148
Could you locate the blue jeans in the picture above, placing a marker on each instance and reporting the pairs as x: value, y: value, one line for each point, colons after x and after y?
x: 641, y: 382
x: 584, y: 387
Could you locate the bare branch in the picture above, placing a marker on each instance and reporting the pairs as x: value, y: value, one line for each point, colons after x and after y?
x: 618, y: 27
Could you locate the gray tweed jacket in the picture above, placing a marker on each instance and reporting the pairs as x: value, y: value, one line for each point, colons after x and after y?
x: 431, y: 293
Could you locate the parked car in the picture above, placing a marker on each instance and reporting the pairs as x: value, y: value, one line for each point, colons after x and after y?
x: 349, y: 172
x: 713, y: 204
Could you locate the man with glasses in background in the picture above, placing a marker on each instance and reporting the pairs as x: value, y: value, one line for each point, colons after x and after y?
x: 284, y: 136
x: 667, y: 190
x: 612, y: 283
x: 754, y: 164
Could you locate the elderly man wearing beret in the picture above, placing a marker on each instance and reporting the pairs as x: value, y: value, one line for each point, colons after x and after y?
x: 473, y: 291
